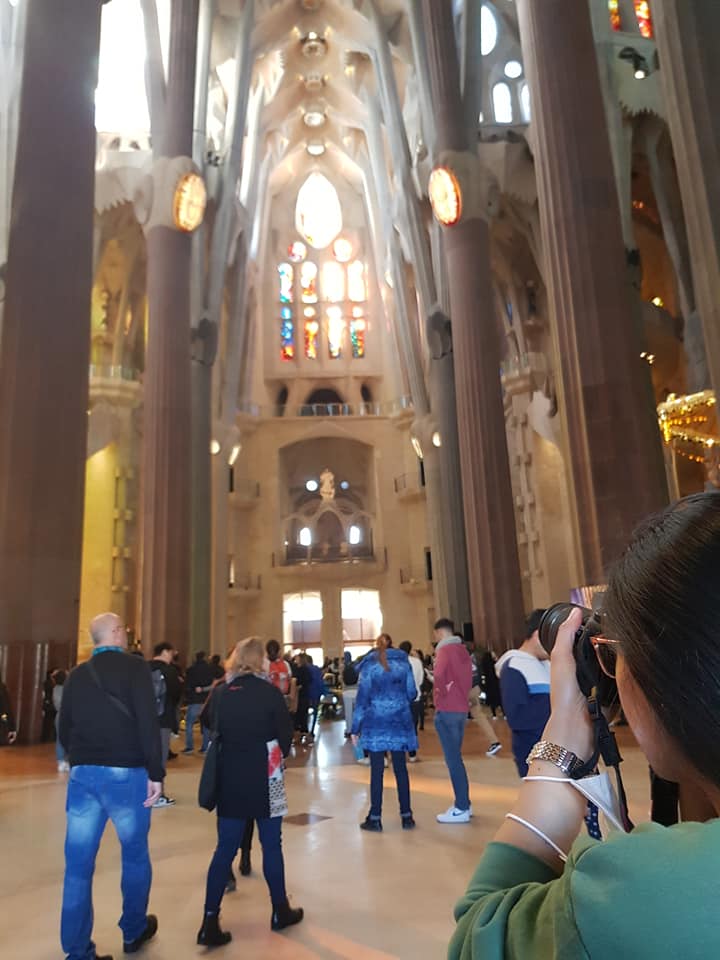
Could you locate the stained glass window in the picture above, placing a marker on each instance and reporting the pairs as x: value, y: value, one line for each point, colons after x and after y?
x: 615, y: 21
x: 318, y: 214
x: 358, y: 327
x: 287, y: 334
x: 642, y: 12
x: 312, y: 330
x: 287, y: 275
x: 297, y: 252
x: 335, y: 330
x: 333, y: 282
x: 357, y: 284
x: 308, y: 282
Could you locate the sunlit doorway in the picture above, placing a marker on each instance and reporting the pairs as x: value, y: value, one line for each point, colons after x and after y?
x: 302, y: 623
x: 362, y: 620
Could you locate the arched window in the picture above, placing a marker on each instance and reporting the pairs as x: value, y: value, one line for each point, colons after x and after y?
x: 357, y: 283
x: 312, y: 330
x: 333, y: 282
x: 335, y: 331
x: 287, y: 334
x: 502, y: 103
x: 488, y: 31
x: 308, y: 282
x: 287, y: 276
x: 318, y: 214
x: 358, y: 327
x: 525, y: 102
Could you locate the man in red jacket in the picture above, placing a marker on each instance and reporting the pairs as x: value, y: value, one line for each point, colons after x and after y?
x: 452, y: 684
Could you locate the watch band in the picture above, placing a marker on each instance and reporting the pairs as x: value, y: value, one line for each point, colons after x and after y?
x: 561, y: 757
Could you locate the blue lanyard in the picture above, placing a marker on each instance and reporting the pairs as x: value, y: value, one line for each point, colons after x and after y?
x: 98, y: 650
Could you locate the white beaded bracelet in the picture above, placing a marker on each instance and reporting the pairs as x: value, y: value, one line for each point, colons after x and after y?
x: 548, y: 779
x: 538, y: 833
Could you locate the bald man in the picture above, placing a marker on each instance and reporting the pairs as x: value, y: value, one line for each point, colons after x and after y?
x: 109, y: 728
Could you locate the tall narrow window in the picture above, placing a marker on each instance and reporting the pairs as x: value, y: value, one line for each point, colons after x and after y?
x: 502, y: 103
x: 357, y: 333
x: 333, y: 282
x: 642, y: 12
x: 615, y: 20
x: 335, y: 330
x: 308, y: 282
x: 287, y: 334
x: 357, y: 283
x: 286, y: 275
x: 312, y: 330
x: 525, y: 102
x: 488, y: 31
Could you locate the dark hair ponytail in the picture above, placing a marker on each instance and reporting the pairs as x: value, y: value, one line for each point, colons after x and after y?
x: 663, y: 604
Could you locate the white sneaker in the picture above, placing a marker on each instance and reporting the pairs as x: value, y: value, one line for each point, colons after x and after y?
x: 63, y: 766
x: 412, y: 759
x: 365, y: 761
x: 163, y: 801
x: 494, y: 748
x: 453, y: 815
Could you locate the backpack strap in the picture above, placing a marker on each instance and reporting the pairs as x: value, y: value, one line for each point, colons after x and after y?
x: 111, y: 696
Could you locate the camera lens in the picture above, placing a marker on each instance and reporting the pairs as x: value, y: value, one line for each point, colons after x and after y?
x: 553, y: 618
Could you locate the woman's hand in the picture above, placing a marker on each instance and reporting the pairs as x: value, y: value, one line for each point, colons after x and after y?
x: 355, y: 739
x: 569, y: 725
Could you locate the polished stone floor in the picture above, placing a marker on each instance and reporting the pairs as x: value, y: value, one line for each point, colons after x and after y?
x: 367, y: 897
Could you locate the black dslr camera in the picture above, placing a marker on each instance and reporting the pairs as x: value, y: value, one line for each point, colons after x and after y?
x: 590, y: 675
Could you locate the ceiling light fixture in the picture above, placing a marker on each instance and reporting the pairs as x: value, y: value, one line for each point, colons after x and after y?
x: 316, y: 148
x: 314, y: 118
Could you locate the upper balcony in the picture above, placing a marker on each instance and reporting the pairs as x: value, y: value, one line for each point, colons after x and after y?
x: 392, y: 409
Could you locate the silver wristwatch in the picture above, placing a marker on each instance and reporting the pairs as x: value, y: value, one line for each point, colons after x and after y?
x: 565, y: 759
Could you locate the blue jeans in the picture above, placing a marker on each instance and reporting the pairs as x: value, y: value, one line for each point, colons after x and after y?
x: 450, y: 728
x: 191, y: 717
x: 377, y: 772
x: 94, y: 794
x: 230, y: 835
x: 60, y: 755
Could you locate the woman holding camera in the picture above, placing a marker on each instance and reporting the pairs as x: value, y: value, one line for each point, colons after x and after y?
x: 540, y: 892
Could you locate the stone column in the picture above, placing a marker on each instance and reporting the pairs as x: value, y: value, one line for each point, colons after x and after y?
x: 612, y: 441
x: 45, y: 351
x: 495, y: 586
x: 331, y: 630
x: 687, y: 38
x: 167, y: 423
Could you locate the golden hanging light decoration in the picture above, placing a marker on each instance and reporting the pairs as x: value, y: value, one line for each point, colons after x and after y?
x: 445, y: 196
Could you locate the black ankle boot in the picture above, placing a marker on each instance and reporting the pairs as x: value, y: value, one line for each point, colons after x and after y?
x: 245, y: 865
x: 373, y: 824
x: 210, y: 934
x: 283, y: 916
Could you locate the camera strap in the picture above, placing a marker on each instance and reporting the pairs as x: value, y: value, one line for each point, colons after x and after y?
x: 605, y: 746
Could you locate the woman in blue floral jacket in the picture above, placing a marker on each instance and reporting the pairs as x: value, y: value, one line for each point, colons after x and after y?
x: 382, y: 721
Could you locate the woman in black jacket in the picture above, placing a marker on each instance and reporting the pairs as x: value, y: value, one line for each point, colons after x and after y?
x: 255, y: 730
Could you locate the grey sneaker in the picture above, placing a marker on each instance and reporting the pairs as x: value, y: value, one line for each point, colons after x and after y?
x: 494, y: 748
x: 163, y: 802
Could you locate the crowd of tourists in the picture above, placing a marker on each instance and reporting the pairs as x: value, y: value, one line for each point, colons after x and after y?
x: 540, y: 889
